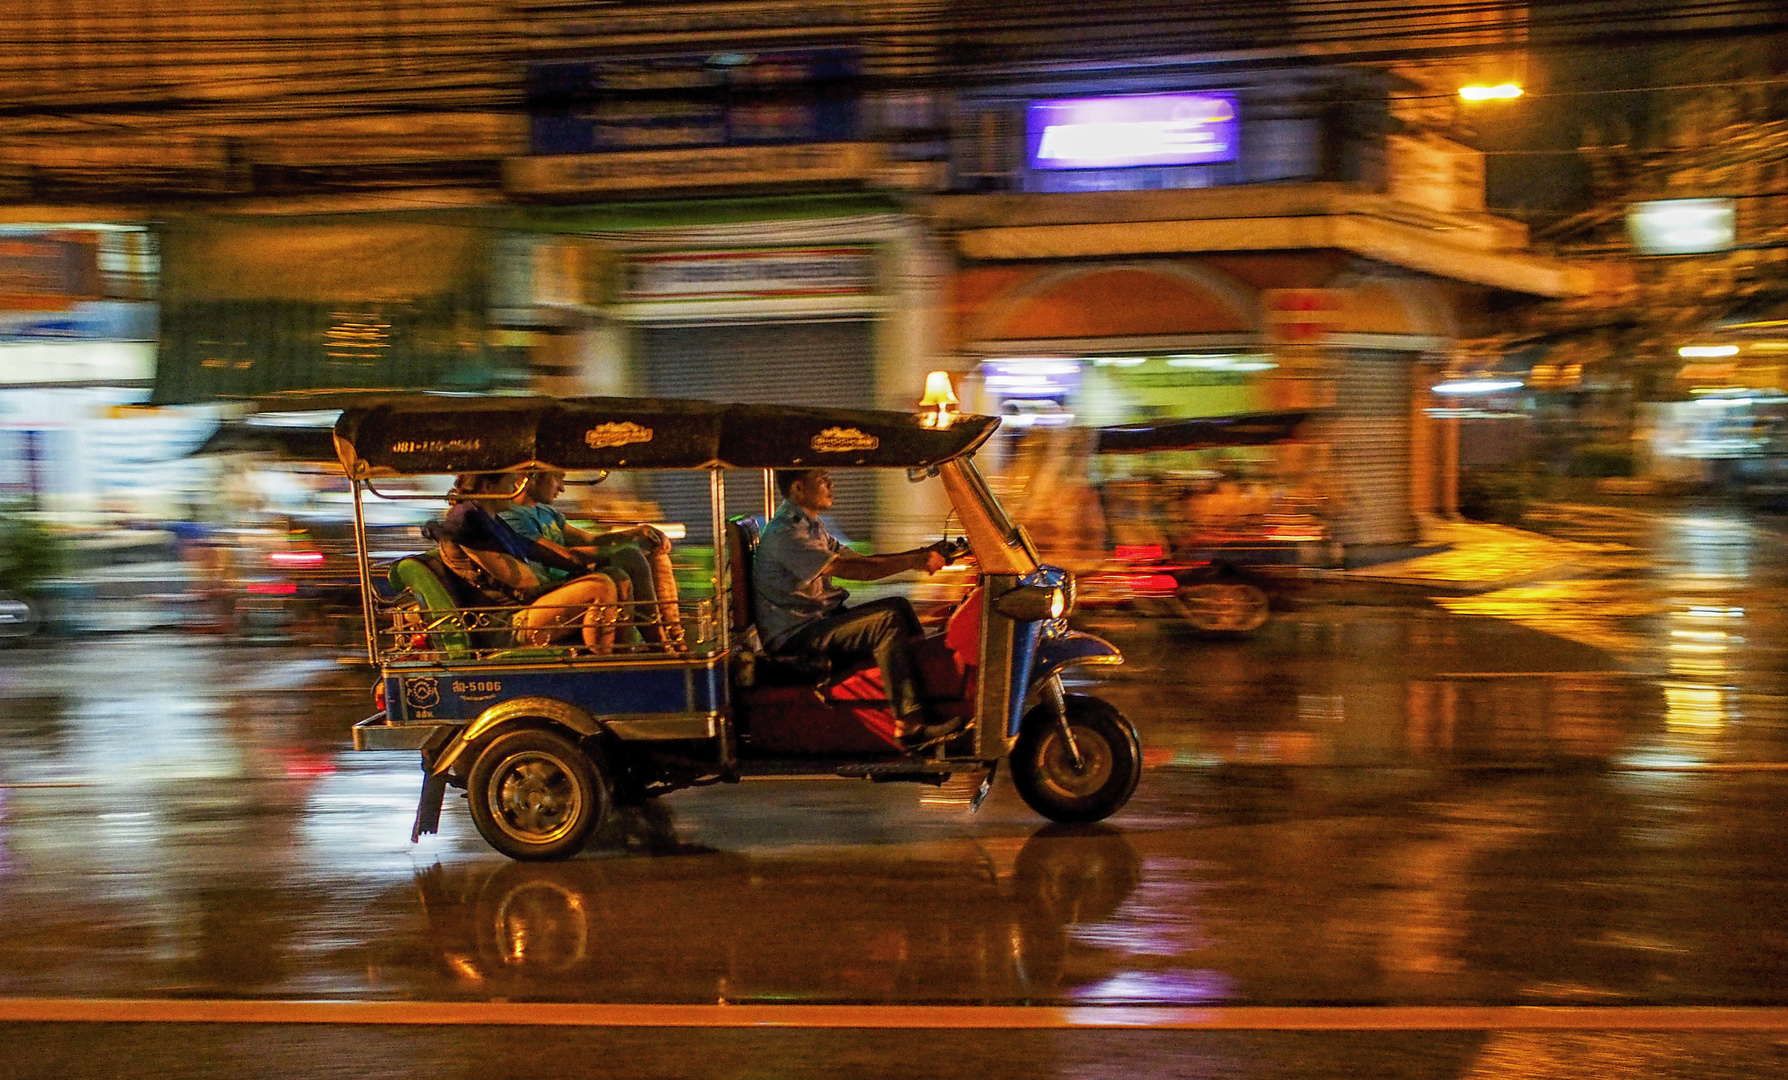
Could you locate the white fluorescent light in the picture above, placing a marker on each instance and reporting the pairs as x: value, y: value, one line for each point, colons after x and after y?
x: 1476, y: 386
x: 1707, y: 350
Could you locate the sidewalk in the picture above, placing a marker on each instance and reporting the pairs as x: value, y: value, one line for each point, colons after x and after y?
x: 1477, y: 557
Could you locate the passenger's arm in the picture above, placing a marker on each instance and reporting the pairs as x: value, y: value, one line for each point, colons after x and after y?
x: 649, y: 539
x: 568, y: 559
x: 507, y: 569
x: 853, y: 567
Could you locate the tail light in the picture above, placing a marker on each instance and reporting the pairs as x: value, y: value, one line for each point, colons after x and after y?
x: 1139, y: 552
x: 1154, y: 584
x: 379, y: 695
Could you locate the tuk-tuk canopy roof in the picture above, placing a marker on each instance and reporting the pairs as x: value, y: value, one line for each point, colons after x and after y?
x: 1205, y: 433
x: 423, y: 433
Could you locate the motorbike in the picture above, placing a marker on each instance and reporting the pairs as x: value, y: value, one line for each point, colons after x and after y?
x: 1140, y: 544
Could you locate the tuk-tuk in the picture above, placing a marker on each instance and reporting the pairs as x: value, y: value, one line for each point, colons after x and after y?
x: 548, y: 738
x: 1196, y: 547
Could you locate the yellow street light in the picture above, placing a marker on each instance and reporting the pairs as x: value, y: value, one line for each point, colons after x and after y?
x: 1500, y: 92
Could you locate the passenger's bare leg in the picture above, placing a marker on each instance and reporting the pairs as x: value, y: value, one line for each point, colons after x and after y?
x: 601, y: 615
x: 664, y: 587
x: 588, y: 601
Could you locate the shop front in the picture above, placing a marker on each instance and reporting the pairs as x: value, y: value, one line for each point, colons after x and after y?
x: 1096, y: 344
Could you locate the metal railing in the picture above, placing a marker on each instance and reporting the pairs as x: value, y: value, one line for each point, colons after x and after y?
x: 409, y: 631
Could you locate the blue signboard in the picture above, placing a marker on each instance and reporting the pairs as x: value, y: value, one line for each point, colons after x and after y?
x: 1132, y: 130
x: 675, y: 102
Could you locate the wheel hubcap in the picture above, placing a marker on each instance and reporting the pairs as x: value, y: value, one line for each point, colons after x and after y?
x: 534, y: 797
x: 1059, y: 771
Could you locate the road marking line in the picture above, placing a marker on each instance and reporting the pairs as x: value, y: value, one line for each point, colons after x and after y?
x: 1460, y: 676
x: 1239, y: 1018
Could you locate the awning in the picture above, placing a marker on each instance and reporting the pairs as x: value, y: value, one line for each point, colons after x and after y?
x: 1247, y: 429
x: 287, y: 441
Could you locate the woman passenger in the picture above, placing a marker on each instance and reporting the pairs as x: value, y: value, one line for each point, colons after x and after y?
x: 506, y: 569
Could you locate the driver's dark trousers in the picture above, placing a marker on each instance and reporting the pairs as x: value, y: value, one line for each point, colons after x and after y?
x: 881, y: 629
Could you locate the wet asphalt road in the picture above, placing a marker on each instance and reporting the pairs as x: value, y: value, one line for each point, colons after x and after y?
x: 1571, y: 793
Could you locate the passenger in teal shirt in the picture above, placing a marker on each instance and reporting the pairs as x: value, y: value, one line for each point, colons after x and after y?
x: 638, y: 556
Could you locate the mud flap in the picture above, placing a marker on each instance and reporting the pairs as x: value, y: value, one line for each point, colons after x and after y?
x: 428, y: 807
x: 985, y: 787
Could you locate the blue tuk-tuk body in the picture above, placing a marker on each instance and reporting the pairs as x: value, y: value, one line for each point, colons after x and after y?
x: 548, y: 737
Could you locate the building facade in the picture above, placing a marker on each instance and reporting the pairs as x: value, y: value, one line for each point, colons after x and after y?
x: 768, y: 200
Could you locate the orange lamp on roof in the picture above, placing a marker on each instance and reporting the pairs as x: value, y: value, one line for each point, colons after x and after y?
x: 937, y: 409
x: 1499, y: 92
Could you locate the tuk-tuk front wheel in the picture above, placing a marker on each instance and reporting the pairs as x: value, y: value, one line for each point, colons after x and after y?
x: 536, y: 794
x: 1088, y: 781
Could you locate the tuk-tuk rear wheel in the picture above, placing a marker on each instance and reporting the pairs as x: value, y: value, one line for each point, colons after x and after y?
x: 1046, y: 774
x: 536, y: 794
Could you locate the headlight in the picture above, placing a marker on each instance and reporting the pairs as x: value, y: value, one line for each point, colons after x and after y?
x: 1032, y: 603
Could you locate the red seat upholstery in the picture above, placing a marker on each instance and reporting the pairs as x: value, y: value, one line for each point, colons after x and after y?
x: 792, y: 720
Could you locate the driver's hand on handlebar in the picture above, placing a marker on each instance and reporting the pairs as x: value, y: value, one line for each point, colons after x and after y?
x: 652, y: 539
x: 934, y: 559
x: 951, y: 550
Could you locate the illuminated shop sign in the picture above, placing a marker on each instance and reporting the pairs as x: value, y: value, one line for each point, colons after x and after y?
x: 1682, y: 226
x: 1130, y: 131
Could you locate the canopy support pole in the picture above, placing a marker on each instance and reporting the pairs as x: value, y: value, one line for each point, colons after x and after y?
x: 722, y: 583
x: 366, y: 589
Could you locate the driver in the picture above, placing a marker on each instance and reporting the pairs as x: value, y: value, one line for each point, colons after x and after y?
x: 800, y: 611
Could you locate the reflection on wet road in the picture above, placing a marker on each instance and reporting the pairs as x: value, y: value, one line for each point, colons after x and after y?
x: 1560, y: 794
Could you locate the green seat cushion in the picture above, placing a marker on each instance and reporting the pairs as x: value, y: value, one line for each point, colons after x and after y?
x: 438, y: 600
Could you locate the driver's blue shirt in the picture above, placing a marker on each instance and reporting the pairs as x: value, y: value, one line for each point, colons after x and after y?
x: 788, y: 577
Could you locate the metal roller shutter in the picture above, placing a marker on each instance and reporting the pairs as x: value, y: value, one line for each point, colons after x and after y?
x: 1371, y: 448
x: 775, y: 363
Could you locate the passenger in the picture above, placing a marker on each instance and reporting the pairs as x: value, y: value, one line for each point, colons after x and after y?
x: 505, y: 569
x: 637, y: 556
x: 801, y: 612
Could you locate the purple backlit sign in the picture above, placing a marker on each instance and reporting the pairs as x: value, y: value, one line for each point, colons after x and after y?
x: 1123, y: 132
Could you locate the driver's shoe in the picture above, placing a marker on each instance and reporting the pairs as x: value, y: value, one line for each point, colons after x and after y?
x: 924, y: 735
